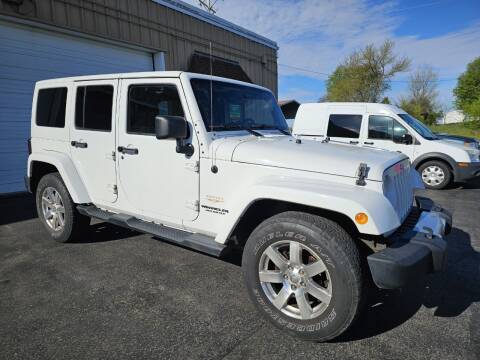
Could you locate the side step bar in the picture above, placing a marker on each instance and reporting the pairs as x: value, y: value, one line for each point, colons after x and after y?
x: 199, y: 242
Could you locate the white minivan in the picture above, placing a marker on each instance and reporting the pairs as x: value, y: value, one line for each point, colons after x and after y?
x: 388, y: 127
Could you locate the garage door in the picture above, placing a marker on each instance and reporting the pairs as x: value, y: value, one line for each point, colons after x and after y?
x: 28, y: 55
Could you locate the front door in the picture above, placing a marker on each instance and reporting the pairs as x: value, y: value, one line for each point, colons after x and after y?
x: 92, y: 136
x: 385, y: 132
x: 154, y: 179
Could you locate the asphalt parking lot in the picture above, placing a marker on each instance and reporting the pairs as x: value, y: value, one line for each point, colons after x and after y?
x: 119, y: 294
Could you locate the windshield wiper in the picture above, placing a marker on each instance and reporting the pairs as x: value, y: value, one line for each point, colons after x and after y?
x: 238, y: 127
x: 253, y: 132
x: 265, y: 127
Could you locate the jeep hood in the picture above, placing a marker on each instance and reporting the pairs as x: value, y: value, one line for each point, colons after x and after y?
x: 309, y: 155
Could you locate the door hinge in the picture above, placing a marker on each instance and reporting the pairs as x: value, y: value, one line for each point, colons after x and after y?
x: 193, y: 166
x: 113, y: 188
x: 193, y: 205
x: 111, y: 156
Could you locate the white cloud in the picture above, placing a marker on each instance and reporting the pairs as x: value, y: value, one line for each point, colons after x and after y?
x: 318, y: 34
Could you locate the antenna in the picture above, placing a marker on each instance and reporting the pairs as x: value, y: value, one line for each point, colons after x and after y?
x: 212, y: 156
x: 208, y: 5
x: 211, y: 88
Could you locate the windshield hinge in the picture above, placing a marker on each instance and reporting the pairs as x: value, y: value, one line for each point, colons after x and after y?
x: 193, y: 166
x: 193, y: 205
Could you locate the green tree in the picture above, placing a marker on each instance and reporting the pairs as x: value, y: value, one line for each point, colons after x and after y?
x: 421, y: 101
x: 386, y: 100
x: 467, y: 91
x: 365, y: 75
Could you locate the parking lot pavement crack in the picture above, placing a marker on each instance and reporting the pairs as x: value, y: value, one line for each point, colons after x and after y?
x: 231, y: 349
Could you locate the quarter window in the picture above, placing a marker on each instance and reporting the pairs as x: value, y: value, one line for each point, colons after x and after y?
x: 51, y: 107
x: 93, y: 109
x: 385, y: 128
x: 345, y: 126
x: 145, y: 102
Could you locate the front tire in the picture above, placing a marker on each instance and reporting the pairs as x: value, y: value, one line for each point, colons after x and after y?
x: 57, y: 211
x: 303, y: 273
x: 436, y: 175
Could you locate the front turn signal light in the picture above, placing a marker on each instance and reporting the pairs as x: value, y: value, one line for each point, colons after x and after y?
x: 361, y: 218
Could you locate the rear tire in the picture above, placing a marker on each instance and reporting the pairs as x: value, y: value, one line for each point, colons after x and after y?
x: 436, y: 175
x: 57, y: 210
x: 315, y: 295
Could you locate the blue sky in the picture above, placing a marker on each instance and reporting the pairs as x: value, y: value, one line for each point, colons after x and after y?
x: 317, y: 35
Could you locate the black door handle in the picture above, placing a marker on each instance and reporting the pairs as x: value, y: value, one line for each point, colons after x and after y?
x: 79, y: 144
x: 129, y: 151
x: 353, y: 142
x: 368, y: 142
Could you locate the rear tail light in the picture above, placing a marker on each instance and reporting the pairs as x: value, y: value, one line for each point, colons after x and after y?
x: 29, y: 144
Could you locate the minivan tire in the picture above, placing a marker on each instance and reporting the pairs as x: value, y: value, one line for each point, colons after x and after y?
x: 436, y: 175
x: 52, y: 197
x: 317, y: 238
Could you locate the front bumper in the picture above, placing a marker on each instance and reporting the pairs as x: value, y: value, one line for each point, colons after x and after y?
x: 417, y: 252
x: 466, y: 173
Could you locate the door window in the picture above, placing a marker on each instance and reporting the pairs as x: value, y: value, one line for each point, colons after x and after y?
x: 51, y: 107
x: 93, y: 109
x: 345, y: 126
x: 385, y: 128
x: 145, y: 102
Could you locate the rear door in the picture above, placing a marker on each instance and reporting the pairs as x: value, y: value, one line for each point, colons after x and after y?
x: 344, y: 124
x: 93, y: 138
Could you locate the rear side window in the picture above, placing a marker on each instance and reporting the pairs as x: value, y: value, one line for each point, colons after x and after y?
x: 345, y: 126
x: 145, y: 102
x: 51, y: 107
x: 93, y: 108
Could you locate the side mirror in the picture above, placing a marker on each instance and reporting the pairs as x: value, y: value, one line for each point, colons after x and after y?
x: 171, y: 127
x: 407, y: 139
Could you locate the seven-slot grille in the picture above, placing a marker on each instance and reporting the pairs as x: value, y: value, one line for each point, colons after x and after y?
x: 397, y: 188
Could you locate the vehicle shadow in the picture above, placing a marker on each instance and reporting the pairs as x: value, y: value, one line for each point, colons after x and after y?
x: 450, y: 293
x: 103, y: 232
x: 18, y: 207
x: 472, y: 184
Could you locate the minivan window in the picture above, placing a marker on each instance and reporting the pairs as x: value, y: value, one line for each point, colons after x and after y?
x: 419, y: 127
x: 236, y: 107
x: 93, y: 109
x: 345, y: 126
x: 145, y: 102
x: 385, y: 128
x: 51, y: 107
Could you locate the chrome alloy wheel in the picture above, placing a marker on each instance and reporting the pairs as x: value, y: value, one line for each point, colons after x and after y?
x: 433, y: 175
x: 295, y: 279
x: 53, y: 209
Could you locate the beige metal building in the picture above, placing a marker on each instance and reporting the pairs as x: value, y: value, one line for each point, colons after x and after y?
x: 41, y: 39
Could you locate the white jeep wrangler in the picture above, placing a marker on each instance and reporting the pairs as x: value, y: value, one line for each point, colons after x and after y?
x: 207, y: 163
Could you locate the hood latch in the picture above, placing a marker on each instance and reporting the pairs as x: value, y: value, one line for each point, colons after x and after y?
x: 362, y: 173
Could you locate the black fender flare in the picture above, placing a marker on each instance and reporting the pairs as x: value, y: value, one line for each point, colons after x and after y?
x: 436, y: 155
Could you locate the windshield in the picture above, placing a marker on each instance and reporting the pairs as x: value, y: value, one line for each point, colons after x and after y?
x: 418, y: 126
x: 237, y: 107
